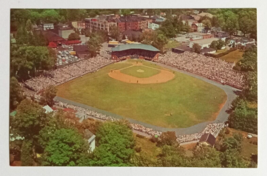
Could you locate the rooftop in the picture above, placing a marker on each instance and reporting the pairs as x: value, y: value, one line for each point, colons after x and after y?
x: 205, y: 41
x: 134, y: 46
x: 209, y: 138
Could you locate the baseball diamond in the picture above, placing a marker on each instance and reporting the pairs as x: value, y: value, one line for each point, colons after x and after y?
x: 179, y: 101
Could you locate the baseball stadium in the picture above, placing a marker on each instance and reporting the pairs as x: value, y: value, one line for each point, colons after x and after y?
x: 136, y: 88
x: 187, y: 93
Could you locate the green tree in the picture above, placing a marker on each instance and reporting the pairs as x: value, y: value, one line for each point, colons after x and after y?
x: 22, y: 36
x: 28, y: 25
x: 231, y: 22
x: 186, y: 27
x: 214, y: 44
x: 51, y: 16
x: 74, y: 36
x: 207, y: 23
x: 251, y: 89
x: 48, y: 95
x: 232, y: 143
x: 94, y: 44
x: 16, y: 93
x: 172, y: 156
x: 159, y: 40
x: 26, y: 60
x: 247, y: 20
x: 114, y: 32
x: 115, y: 144
x: 244, y: 118
x: 26, y: 153
x: 249, y: 60
x: 168, y: 138
x: 232, y: 159
x: 220, y: 44
x: 148, y: 37
x: 30, y: 119
x: 196, y: 48
x: 65, y: 148
x: 205, y: 156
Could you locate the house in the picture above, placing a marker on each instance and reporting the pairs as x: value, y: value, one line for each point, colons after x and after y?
x: 221, y: 35
x: 48, y: 109
x: 196, y: 12
x: 207, y: 51
x: 181, y: 49
x: 153, y: 25
x: 159, y: 19
x: 207, y: 139
x: 82, y: 51
x: 53, y: 37
x: 90, y: 137
x: 65, y: 32
x: 204, y: 43
x: 78, y: 25
x: 47, y: 26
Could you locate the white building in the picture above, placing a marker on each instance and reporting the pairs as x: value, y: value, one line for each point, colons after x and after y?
x: 48, y: 109
x: 153, y: 26
x: 48, y: 26
x: 91, y: 139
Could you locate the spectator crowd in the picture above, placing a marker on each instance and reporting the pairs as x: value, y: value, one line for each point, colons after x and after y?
x: 213, y: 128
x: 211, y: 68
x: 87, y: 113
x: 66, y: 73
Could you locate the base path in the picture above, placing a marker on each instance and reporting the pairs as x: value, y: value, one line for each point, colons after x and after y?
x: 163, y: 76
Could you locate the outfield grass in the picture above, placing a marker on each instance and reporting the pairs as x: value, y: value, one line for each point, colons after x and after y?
x: 234, y: 56
x: 135, y: 71
x: 182, y: 102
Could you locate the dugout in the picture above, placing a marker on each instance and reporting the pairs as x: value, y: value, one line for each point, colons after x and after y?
x: 129, y: 51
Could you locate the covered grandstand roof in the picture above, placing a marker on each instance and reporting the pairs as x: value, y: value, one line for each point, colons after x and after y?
x: 134, y: 46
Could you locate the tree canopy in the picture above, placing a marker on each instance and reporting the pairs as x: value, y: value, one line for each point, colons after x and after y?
x: 29, y: 119
x: 66, y: 147
x: 48, y: 95
x: 74, y: 36
x: 25, y: 60
x: 115, y: 144
x: 16, y: 93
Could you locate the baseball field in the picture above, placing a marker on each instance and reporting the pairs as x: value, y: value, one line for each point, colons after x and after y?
x: 147, y: 92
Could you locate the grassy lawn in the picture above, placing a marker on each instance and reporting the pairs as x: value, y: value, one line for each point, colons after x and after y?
x: 182, y: 102
x: 140, y: 71
x: 234, y: 56
x: 171, y: 44
x: 221, y: 51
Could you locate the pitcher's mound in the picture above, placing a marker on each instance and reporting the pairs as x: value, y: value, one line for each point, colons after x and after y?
x: 140, y: 71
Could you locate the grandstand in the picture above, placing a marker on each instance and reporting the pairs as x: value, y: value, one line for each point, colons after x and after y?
x: 140, y: 51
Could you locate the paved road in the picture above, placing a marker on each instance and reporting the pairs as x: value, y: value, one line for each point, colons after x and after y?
x: 222, y: 116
